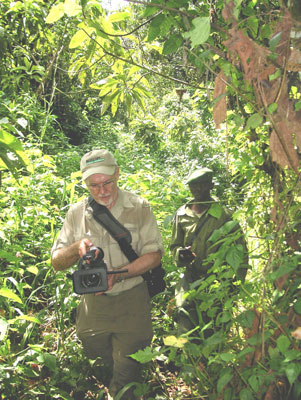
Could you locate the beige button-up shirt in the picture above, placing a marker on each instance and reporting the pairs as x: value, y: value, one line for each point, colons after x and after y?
x: 130, y: 210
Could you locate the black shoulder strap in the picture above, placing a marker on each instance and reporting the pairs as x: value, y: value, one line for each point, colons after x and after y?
x: 122, y: 235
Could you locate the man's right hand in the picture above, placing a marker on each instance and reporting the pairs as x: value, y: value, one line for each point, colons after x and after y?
x: 65, y: 257
x: 84, y: 246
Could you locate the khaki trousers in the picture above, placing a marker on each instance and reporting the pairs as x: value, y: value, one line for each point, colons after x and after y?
x: 113, y: 327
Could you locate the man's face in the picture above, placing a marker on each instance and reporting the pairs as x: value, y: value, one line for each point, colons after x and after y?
x: 103, y: 188
x: 201, y: 190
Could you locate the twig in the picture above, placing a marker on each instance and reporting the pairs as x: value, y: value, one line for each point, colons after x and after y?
x: 160, y: 6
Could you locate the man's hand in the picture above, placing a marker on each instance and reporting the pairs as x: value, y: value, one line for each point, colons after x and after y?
x: 65, y: 257
x: 111, y: 279
x: 84, y: 246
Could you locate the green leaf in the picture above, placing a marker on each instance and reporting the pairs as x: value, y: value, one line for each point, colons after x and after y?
x: 275, y: 75
x: 298, y: 105
x: 128, y: 102
x: 33, y: 269
x: 245, y: 394
x: 256, y: 382
x: 119, y: 16
x: 265, y: 31
x: 245, y: 352
x: 291, y: 355
x: 215, y: 210
x: 252, y: 24
x: 148, y: 11
x: 8, y: 256
x: 9, y: 294
x: 245, y: 319
x: 115, y: 104
x: 144, y: 356
x: 223, y: 381
x: 10, y: 144
x: 282, y: 270
x: 108, y: 100
x: 223, y: 231
x: 254, y: 121
x: 172, y: 44
x: 234, y: 256
x: 56, y: 12
x: 174, y: 341
x: 200, y: 32
x: 48, y: 359
x: 292, y: 371
x: 272, y: 108
x: 78, y: 39
x: 275, y: 40
x: 29, y: 318
x: 283, y: 344
x: 155, y: 27
x: 72, y: 8
x: 119, y: 395
x: 227, y: 357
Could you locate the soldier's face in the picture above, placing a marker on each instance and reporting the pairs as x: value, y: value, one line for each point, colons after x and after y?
x: 201, y: 190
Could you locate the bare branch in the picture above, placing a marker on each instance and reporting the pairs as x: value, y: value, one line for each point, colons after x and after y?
x: 131, y: 62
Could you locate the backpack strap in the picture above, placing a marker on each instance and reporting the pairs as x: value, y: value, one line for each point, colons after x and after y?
x: 122, y: 235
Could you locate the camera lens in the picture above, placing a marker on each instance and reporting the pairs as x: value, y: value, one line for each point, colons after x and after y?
x: 91, y: 280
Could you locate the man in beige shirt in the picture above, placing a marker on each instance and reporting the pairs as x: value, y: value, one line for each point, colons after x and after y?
x: 117, y: 323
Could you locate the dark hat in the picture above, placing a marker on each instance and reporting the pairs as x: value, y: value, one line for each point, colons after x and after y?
x: 98, y: 162
x: 200, y: 175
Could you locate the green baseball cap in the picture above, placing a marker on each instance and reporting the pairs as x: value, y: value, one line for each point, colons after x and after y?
x: 200, y: 175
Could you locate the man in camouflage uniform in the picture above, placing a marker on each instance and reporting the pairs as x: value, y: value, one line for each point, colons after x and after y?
x: 193, y: 225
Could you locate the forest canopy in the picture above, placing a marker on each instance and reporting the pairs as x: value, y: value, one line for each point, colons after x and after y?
x: 167, y: 86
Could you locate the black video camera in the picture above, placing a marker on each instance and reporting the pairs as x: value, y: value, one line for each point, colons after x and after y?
x: 91, y: 274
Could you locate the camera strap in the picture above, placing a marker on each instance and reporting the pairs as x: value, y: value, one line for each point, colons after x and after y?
x: 154, y: 278
x: 122, y: 235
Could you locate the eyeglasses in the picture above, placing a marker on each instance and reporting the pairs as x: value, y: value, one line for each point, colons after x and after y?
x: 98, y: 186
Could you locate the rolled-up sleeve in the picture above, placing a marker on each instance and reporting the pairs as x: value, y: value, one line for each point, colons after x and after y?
x: 149, y: 235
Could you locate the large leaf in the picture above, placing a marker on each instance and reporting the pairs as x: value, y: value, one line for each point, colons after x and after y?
x: 293, y: 370
x: 72, y: 8
x: 235, y: 255
x: 119, y: 16
x: 80, y: 37
x: 12, y: 154
x: 144, y: 356
x: 172, y: 44
x: 9, y: 294
x: 200, y: 32
x: 174, y: 341
x: 224, y: 380
x: 56, y: 13
x: 48, y: 360
x: 254, y: 121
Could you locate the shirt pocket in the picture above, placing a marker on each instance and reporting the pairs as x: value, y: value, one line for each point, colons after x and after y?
x: 133, y: 229
x: 116, y: 258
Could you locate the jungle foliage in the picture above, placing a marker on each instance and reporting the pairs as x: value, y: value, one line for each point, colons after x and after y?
x: 166, y: 86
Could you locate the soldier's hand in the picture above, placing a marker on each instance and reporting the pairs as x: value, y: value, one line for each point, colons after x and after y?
x: 186, y: 255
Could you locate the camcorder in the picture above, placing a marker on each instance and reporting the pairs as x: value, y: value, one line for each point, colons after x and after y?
x: 91, y: 273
